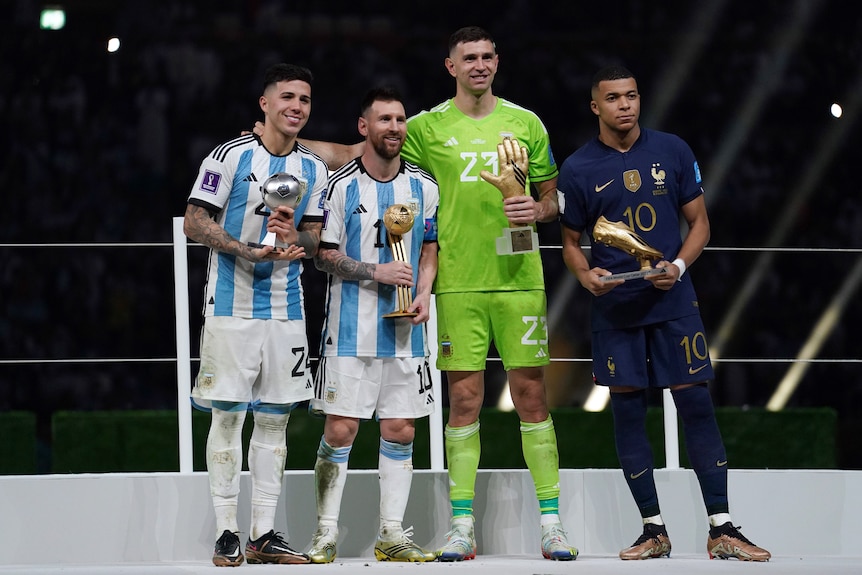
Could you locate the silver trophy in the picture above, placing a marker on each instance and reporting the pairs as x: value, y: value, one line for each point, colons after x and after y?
x: 280, y: 189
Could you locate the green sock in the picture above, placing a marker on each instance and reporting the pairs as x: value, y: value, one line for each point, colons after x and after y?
x: 539, y: 442
x: 463, y: 449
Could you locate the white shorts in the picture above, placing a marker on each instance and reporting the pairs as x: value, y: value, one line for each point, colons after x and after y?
x: 393, y: 387
x: 250, y: 360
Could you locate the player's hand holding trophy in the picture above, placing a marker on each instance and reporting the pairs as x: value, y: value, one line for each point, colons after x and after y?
x: 618, y: 235
x: 513, y: 165
x: 398, y: 220
x: 280, y: 189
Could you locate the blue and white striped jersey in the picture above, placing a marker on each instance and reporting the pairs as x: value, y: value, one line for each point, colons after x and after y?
x: 229, y: 183
x: 353, y: 222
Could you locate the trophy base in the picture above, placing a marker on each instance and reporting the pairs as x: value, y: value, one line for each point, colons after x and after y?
x: 400, y: 314
x: 634, y: 275
x: 516, y: 241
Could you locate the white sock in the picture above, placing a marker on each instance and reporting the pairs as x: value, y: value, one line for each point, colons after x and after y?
x: 267, y: 453
x: 549, y: 518
x: 718, y: 519
x: 395, y: 470
x: 224, y: 464
x: 330, y: 475
x: 655, y: 519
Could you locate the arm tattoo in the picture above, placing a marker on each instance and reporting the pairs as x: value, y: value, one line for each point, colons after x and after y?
x: 201, y: 227
x: 308, y: 236
x: 336, y: 263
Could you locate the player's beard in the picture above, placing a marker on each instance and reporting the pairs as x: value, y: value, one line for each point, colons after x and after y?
x: 386, y: 150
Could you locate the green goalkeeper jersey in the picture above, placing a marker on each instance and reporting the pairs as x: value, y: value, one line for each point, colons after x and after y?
x: 455, y: 148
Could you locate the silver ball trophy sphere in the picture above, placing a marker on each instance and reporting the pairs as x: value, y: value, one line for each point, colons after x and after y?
x: 282, y: 189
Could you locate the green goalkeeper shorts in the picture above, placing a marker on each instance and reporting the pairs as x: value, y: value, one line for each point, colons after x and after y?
x: 467, y: 322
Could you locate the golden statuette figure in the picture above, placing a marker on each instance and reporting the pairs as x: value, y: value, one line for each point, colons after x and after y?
x: 618, y: 235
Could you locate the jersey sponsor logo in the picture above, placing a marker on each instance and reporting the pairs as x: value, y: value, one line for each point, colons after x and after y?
x: 478, y: 141
x: 450, y: 142
x: 694, y: 370
x: 632, y: 179
x: 210, y: 181
x: 602, y: 187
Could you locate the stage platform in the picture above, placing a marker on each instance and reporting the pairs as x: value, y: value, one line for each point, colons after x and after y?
x: 811, y: 521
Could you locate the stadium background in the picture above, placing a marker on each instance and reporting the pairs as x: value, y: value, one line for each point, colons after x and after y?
x: 99, y: 150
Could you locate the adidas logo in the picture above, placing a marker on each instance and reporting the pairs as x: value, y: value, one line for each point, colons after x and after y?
x: 451, y: 142
x: 250, y: 178
x: 308, y: 384
x: 541, y: 353
x: 429, y: 400
x: 360, y: 210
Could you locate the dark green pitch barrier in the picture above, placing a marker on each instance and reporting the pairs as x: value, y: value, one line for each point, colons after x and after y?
x: 140, y: 441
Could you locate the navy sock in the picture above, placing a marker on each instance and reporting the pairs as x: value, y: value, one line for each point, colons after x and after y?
x: 704, y: 445
x: 633, y: 448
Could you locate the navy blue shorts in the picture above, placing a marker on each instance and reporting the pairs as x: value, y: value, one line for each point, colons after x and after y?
x: 674, y: 352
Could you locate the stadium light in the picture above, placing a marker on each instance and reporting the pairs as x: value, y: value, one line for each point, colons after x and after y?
x: 52, y: 18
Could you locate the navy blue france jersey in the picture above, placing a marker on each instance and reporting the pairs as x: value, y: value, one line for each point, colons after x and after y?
x: 643, y: 188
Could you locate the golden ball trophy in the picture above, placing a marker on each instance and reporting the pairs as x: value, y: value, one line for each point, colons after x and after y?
x: 398, y: 220
x: 618, y: 235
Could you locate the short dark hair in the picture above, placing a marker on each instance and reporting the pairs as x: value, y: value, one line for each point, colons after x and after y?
x: 470, y: 34
x: 379, y: 94
x: 614, y: 72
x: 286, y: 73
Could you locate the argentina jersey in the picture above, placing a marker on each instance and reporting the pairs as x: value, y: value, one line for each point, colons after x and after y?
x: 353, y: 224
x: 229, y: 184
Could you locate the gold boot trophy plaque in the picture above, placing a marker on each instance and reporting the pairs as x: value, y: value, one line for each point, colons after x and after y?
x: 514, y: 164
x: 398, y: 220
x: 618, y: 235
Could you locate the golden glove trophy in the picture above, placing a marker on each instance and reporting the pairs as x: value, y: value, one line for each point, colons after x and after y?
x: 398, y: 220
x: 514, y: 164
x: 618, y: 235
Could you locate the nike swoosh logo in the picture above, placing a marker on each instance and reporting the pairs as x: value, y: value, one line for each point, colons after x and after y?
x: 692, y: 371
x: 636, y: 475
x: 721, y: 463
x: 600, y: 188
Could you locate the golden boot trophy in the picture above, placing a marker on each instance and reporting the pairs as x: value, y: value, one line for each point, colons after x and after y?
x: 398, y: 220
x: 618, y: 235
